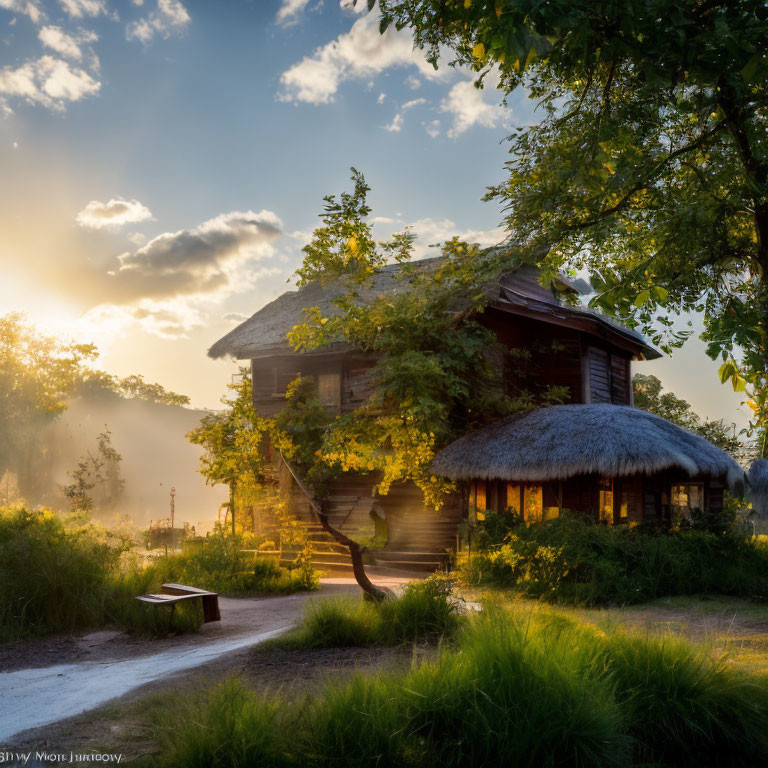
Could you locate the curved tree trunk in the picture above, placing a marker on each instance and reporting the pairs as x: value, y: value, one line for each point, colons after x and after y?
x: 356, y: 551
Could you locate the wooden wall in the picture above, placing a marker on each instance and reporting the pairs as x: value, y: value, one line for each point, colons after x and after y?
x: 271, y: 376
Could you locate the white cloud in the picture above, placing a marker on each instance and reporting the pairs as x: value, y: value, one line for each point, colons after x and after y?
x: 77, y: 9
x: 397, y: 121
x: 113, y: 214
x: 170, y: 16
x: 290, y: 10
x: 29, y: 8
x: 48, y: 81
x: 431, y: 232
x: 467, y: 106
x: 413, y: 82
x: 432, y: 128
x: 64, y: 43
x: 360, y: 53
x: 380, y: 98
x: 168, y: 319
x: 396, y: 124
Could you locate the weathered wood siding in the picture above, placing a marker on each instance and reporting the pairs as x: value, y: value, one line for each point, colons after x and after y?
x: 272, y: 375
x: 607, y: 376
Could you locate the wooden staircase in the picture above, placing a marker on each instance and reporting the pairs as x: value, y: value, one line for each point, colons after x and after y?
x: 419, y: 539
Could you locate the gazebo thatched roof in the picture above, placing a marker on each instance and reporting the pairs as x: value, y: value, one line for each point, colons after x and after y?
x: 264, y: 333
x: 563, y: 441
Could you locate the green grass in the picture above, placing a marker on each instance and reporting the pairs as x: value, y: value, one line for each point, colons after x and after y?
x: 573, y: 562
x: 535, y: 689
x: 424, y: 610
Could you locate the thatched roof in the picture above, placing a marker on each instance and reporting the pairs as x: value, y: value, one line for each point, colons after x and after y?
x: 265, y: 332
x: 563, y: 441
x: 757, y: 475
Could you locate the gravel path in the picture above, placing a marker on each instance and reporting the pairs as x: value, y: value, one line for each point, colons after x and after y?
x: 47, y: 681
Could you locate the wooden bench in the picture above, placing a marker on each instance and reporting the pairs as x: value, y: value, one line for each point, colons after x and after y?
x: 175, y: 593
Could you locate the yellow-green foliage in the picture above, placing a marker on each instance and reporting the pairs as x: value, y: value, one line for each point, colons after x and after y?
x: 535, y: 689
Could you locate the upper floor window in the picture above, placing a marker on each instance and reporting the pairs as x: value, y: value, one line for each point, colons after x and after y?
x: 329, y: 390
x: 606, y: 377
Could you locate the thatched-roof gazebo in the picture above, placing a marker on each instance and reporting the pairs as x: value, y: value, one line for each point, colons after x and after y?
x: 617, y: 463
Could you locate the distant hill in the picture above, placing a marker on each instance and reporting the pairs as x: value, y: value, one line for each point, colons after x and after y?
x: 156, y: 455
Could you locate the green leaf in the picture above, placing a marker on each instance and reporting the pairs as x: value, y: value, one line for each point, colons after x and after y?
x: 727, y: 371
x: 642, y: 298
x: 751, y: 68
x: 662, y: 294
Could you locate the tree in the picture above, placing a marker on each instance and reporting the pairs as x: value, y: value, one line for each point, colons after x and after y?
x: 436, y: 375
x: 98, y: 472
x: 649, y: 166
x: 37, y: 375
x: 232, y: 440
x: 649, y: 395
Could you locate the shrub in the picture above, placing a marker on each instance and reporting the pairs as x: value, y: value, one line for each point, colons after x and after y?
x: 53, y: 572
x: 220, y: 565
x: 424, y: 610
x: 571, y: 561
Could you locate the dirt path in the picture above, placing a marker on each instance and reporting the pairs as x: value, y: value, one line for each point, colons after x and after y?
x: 49, y: 681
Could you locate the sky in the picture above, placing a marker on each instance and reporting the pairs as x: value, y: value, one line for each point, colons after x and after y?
x: 164, y: 162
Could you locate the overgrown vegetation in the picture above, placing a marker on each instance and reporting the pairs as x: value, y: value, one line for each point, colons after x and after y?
x: 66, y: 574
x: 439, y: 371
x: 568, y: 560
x: 425, y: 610
x: 525, y: 690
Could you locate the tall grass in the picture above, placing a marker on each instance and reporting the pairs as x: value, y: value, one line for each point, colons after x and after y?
x: 424, y: 610
x: 65, y: 573
x: 541, y: 690
x: 571, y: 561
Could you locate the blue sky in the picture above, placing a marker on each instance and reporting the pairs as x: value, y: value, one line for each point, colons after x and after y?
x: 164, y: 162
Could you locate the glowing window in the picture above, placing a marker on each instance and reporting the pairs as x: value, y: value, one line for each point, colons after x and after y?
x: 605, y: 501
x: 513, y: 497
x: 480, y: 502
x: 533, y: 503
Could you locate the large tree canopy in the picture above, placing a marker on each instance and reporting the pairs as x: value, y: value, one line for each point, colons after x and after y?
x: 649, y: 165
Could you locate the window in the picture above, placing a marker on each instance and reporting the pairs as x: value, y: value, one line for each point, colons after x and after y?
x: 605, y: 501
x: 687, y: 497
x: 329, y: 390
x: 477, y: 500
x: 533, y: 503
x: 513, y: 497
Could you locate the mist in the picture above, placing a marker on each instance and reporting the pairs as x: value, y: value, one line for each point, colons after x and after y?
x: 156, y: 457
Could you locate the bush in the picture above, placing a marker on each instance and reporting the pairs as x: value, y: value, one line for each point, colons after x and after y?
x: 541, y: 691
x: 424, y: 610
x: 571, y: 561
x: 220, y: 565
x: 65, y: 573
x: 53, y: 572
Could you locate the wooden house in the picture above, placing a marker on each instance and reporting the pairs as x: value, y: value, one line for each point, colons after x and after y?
x: 593, y: 361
